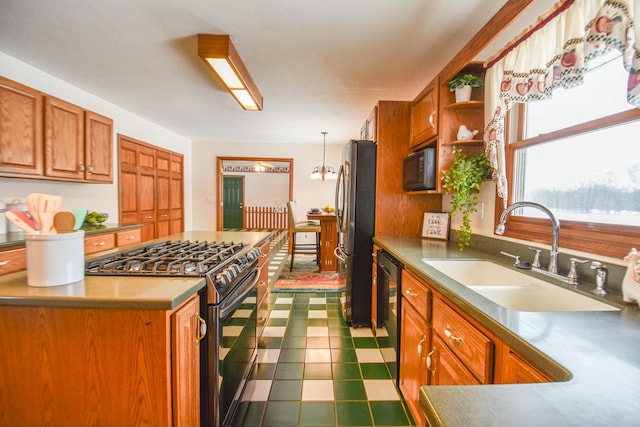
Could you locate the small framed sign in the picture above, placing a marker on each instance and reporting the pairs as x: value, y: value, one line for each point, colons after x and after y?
x: 435, y: 225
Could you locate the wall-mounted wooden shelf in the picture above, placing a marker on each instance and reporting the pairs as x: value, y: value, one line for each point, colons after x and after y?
x: 465, y: 104
x: 465, y: 142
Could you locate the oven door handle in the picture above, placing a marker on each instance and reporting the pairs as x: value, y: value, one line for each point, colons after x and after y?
x: 238, y: 300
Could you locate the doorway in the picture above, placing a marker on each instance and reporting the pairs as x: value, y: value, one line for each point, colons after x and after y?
x: 232, y: 201
x: 262, y: 176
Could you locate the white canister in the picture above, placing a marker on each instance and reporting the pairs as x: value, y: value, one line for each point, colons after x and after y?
x: 3, y: 218
x: 15, y: 205
x: 54, y: 259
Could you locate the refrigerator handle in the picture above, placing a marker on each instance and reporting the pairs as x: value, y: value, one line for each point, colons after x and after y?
x: 340, y: 195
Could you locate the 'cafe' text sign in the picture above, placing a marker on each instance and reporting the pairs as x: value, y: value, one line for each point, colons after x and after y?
x: 435, y: 225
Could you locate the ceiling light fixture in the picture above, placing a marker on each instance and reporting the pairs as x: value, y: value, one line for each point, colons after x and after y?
x: 221, y: 56
x: 324, y: 172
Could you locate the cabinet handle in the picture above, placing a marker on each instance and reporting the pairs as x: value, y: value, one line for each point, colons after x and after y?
x: 130, y: 237
x: 262, y: 284
x: 432, y: 118
x: 148, y: 217
x: 164, y: 215
x: 411, y: 293
x: 100, y: 244
x: 3, y: 263
x: 455, y: 339
x: 81, y: 167
x: 424, y: 338
x: 203, y: 327
x: 262, y: 320
x: 263, y: 255
x: 90, y: 168
x: 428, y: 361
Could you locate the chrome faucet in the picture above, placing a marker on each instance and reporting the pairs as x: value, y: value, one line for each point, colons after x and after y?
x: 555, y: 224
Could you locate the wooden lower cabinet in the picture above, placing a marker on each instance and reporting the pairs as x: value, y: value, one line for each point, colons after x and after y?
x: 414, y: 344
x: 95, y: 243
x: 445, y: 368
x: 13, y: 260
x: 77, y: 366
x: 440, y: 344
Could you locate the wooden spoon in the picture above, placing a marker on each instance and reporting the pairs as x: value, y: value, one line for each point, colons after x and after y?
x: 64, y: 221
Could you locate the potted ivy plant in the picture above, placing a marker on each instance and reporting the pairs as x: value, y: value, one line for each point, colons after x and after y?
x: 462, y: 85
x: 463, y: 180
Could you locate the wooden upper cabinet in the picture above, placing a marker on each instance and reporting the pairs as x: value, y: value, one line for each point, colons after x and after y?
x: 163, y: 184
x: 176, y: 194
x: 63, y: 139
x: 20, y: 130
x: 425, y: 115
x: 98, y: 147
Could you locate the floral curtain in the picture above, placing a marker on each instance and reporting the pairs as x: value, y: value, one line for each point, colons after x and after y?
x: 555, y: 52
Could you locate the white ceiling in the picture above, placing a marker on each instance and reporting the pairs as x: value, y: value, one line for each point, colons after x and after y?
x: 320, y: 64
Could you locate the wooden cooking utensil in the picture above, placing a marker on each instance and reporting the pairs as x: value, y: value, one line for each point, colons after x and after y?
x: 11, y: 216
x: 64, y: 221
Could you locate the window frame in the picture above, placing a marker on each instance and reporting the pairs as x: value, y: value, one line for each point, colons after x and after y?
x: 591, y: 237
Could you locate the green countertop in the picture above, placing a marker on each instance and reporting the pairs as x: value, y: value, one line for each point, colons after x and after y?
x: 594, y: 356
x: 157, y: 293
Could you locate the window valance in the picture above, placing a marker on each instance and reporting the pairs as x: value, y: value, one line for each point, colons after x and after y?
x: 555, y: 52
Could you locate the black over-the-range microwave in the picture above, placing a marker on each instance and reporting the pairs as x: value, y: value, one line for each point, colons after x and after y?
x: 420, y: 170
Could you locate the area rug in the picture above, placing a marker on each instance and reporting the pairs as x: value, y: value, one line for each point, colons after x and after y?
x: 306, y: 278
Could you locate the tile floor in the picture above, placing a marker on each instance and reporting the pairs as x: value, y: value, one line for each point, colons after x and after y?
x: 314, y: 370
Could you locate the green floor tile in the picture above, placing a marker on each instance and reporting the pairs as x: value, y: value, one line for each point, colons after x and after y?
x: 292, y: 355
x: 345, y: 371
x: 385, y: 342
x: 294, y: 342
x: 318, y: 342
x: 277, y: 322
x: 338, y: 330
x: 317, y: 414
x: 281, y: 414
x: 286, y: 390
x: 317, y: 322
x: 365, y: 342
x: 317, y: 371
x: 296, y: 331
x: 353, y: 414
x: 279, y: 306
x: 343, y: 355
x: 349, y: 390
x: 289, y: 371
x: 375, y: 371
x: 298, y: 315
x: 270, y: 342
x: 340, y: 342
x: 263, y: 371
x: 249, y: 414
x: 317, y: 306
x: 389, y: 414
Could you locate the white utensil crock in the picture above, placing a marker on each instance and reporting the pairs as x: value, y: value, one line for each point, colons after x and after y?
x: 54, y: 259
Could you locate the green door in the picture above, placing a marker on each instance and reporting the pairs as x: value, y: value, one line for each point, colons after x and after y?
x: 232, y: 187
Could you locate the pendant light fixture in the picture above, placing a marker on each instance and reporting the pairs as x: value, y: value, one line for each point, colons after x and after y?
x: 323, y: 172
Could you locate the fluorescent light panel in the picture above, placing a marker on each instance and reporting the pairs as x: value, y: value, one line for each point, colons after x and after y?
x: 220, y: 55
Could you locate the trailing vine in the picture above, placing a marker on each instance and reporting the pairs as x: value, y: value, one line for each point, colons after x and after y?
x: 463, y: 180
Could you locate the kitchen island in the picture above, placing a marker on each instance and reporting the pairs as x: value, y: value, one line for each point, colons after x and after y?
x: 591, y: 358
x: 104, y: 350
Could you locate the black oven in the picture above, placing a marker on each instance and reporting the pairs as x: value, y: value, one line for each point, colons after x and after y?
x: 232, y: 349
x: 389, y: 275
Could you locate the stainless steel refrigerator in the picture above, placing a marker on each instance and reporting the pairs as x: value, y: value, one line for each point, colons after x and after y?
x: 355, y: 211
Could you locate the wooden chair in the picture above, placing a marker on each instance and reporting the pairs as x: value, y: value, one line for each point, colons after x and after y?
x: 302, y: 227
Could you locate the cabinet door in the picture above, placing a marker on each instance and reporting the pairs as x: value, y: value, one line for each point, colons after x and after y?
x: 63, y: 139
x: 128, y: 182
x: 147, y: 191
x: 20, y: 130
x: 163, y: 193
x: 414, y: 342
x: 98, y: 147
x: 185, y: 366
x: 445, y: 368
x: 176, y: 193
x: 424, y: 115
x: 515, y: 370
x: 263, y: 285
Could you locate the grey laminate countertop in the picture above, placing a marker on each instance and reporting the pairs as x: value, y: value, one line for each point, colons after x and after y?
x: 594, y: 355
x: 159, y: 293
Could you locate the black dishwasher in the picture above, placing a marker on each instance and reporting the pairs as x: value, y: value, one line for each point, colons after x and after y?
x: 389, y: 273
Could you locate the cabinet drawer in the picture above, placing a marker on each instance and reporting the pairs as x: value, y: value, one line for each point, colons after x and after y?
x: 13, y: 260
x: 473, y: 348
x: 416, y: 293
x: 99, y: 243
x: 128, y: 237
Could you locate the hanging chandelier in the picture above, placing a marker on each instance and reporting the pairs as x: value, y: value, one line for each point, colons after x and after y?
x: 323, y: 172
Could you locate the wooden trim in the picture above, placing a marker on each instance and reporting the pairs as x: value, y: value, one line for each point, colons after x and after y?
x: 219, y: 174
